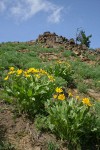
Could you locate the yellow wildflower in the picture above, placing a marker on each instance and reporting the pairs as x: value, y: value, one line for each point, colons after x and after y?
x: 36, y: 75
x: 6, y: 78
x: 11, y: 68
x: 70, y: 94
x: 51, y: 78
x: 19, y: 71
x: 61, y: 97
x: 43, y: 71
x: 27, y: 75
x: 77, y: 97
x: 32, y: 70
x: 58, y: 90
x: 55, y: 96
x: 11, y: 72
x: 86, y: 101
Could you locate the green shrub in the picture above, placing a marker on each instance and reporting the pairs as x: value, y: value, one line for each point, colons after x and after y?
x: 83, y: 39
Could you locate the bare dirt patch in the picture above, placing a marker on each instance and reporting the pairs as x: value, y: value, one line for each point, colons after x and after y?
x: 22, y: 133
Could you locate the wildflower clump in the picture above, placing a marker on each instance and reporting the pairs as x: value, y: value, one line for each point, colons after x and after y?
x: 61, y: 69
x: 70, y: 117
x: 59, y: 94
x: 30, y: 87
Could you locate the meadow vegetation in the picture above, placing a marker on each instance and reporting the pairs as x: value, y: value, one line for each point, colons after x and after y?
x: 41, y: 89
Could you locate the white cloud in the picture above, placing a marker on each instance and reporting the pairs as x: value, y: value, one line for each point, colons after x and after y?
x: 26, y: 9
x: 2, y: 6
x: 22, y: 10
x: 55, y: 17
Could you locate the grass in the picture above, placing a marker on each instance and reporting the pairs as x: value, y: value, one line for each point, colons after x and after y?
x: 83, y: 71
x: 52, y: 146
x: 68, y: 53
x: 82, y: 87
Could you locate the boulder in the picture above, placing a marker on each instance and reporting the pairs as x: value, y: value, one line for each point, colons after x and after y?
x: 71, y: 42
x: 59, y: 39
x: 84, y: 47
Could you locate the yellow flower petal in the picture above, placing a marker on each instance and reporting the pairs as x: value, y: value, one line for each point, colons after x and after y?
x: 51, y: 78
x: 61, y: 97
x: 27, y: 75
x: 70, y: 94
x: 11, y: 72
x: 55, y: 96
x: 58, y: 90
x: 86, y: 101
x: 6, y: 78
x: 19, y: 71
x: 36, y: 75
x: 32, y: 70
x: 11, y: 68
x: 77, y: 97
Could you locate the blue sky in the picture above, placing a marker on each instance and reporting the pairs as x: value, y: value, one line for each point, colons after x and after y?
x: 24, y: 20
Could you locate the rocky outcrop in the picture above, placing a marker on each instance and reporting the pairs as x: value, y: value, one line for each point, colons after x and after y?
x: 53, y: 40
x: 98, y: 50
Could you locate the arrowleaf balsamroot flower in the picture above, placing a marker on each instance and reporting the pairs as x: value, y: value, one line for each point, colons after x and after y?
x: 55, y: 96
x: 11, y: 68
x: 51, y: 78
x: 61, y: 97
x: 86, y: 101
x: 19, y: 71
x: 58, y: 90
x: 70, y: 94
x: 11, y: 72
x: 27, y: 75
x: 32, y: 70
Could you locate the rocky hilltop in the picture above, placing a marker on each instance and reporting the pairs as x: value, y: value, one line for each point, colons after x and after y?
x: 52, y: 40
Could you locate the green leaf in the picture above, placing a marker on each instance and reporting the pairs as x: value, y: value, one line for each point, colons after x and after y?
x: 30, y: 93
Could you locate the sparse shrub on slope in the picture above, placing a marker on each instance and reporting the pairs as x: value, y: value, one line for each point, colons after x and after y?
x: 83, y: 39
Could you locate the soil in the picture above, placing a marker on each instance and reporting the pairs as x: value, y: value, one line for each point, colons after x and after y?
x: 22, y: 133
